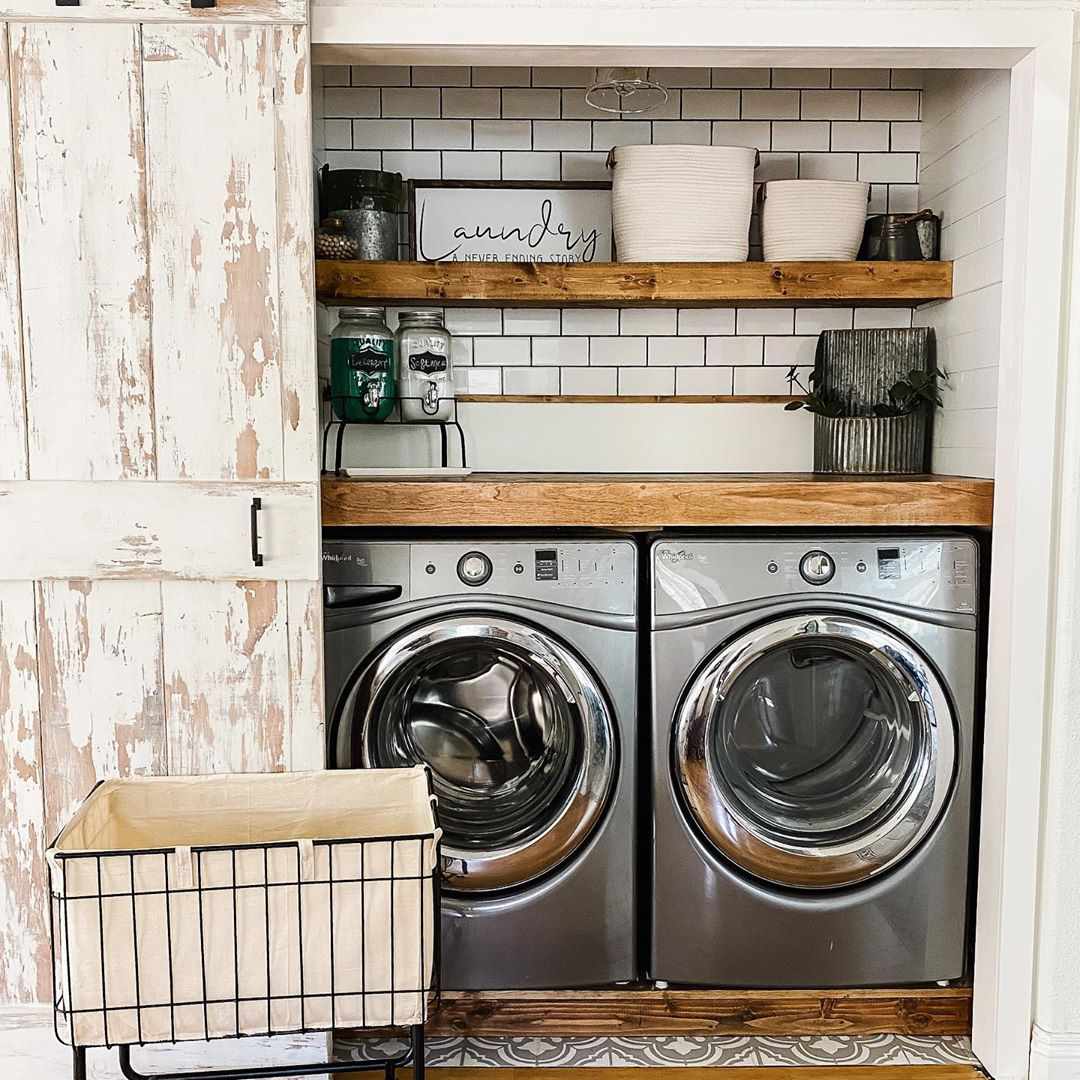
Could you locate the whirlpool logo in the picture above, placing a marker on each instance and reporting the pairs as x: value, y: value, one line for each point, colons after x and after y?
x: 676, y: 556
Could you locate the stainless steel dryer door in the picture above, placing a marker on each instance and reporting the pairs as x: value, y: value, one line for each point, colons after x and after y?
x: 518, y: 734
x: 815, y: 751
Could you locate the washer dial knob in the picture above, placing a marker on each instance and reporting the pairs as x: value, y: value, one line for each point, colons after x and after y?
x: 817, y: 567
x: 474, y: 568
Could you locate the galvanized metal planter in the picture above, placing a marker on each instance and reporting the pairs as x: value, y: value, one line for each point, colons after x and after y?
x: 870, y: 444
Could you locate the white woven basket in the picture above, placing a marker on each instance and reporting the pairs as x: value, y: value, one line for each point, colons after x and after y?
x: 682, y: 203
x: 812, y: 219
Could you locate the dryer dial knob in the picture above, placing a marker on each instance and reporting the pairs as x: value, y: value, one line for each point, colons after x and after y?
x: 817, y: 567
x: 474, y: 568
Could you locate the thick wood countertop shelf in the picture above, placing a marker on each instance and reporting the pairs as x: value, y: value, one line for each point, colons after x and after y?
x: 649, y: 501
x: 630, y: 284
x: 929, y: 1010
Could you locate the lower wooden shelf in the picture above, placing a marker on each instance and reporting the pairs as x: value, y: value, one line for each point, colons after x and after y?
x: 910, y: 1011
x: 639, y: 502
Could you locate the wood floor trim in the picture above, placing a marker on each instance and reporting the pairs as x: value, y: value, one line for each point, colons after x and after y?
x: 909, y: 1011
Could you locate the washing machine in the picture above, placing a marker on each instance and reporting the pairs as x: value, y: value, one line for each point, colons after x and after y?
x: 510, y: 668
x: 814, y: 709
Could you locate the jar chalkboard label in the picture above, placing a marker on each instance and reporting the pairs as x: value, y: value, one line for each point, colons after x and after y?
x: 370, y: 359
x: 427, y: 362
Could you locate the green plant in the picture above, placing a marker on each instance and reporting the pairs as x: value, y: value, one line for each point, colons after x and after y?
x: 920, y: 387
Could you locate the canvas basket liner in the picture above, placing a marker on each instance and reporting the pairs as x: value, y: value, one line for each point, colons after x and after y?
x: 121, y: 942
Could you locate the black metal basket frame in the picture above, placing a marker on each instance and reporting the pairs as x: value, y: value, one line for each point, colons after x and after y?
x: 442, y: 425
x: 414, y: 1053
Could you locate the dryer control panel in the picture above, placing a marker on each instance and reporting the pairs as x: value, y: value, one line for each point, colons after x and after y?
x: 931, y: 574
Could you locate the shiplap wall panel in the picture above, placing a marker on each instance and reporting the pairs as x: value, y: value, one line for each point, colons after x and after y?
x: 226, y: 654
x: 24, y: 930
x: 135, y: 11
x: 295, y: 210
x: 102, y: 708
x: 186, y: 530
x: 210, y: 134
x: 12, y: 401
x: 81, y: 184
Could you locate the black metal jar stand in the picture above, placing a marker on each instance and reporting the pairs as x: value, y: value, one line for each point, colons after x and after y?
x: 339, y: 405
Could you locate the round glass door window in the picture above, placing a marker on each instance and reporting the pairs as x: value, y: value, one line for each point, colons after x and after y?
x: 516, y: 731
x: 815, y: 752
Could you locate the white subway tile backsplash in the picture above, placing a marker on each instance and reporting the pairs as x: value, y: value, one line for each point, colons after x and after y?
x: 676, y: 351
x: 502, y: 135
x: 830, y: 105
x: 529, y: 321
x: 502, y: 352
x: 350, y: 101
x: 442, y: 134
x: 710, y: 104
x: 609, y: 133
x: 703, y: 380
x: 382, y: 134
x: 530, y: 104
x: 756, y: 133
x: 692, y: 132
x: 379, y: 75
x: 561, y: 351
x: 469, y: 104
x: 800, y: 135
x: 617, y: 351
x: 562, y: 135
x: 516, y: 123
x: 812, y: 320
x: 770, y: 104
x: 646, y: 381
x: 800, y: 77
x: 590, y: 380
x: 500, y: 76
x: 472, y: 165
x: 790, y: 351
x: 889, y: 168
x: 706, y: 321
x: 734, y: 351
x: 890, y: 105
x: 410, y: 101
x: 906, y: 79
x: 474, y: 320
x: 530, y: 165
x: 532, y: 380
x: 590, y: 321
x: 648, y: 321
x: 765, y: 321
x: 860, y: 135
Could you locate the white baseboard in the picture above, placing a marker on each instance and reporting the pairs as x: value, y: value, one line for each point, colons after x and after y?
x: 1054, y: 1055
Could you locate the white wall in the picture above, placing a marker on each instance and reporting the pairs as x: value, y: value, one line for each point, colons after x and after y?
x: 962, y: 176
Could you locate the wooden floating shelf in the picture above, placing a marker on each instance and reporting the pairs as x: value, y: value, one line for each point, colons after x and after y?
x: 911, y: 1011
x: 652, y: 501
x: 632, y: 284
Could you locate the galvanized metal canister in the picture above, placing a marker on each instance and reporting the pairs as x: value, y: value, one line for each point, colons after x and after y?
x: 871, y: 444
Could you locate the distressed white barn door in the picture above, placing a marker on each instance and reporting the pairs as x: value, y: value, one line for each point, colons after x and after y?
x: 157, y: 375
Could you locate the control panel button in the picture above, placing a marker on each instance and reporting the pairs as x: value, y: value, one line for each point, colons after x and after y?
x: 861, y: 566
x: 817, y: 567
x: 430, y: 568
x: 519, y: 568
x: 773, y: 568
x: 474, y: 568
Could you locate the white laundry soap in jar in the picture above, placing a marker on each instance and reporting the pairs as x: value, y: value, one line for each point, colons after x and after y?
x: 425, y: 371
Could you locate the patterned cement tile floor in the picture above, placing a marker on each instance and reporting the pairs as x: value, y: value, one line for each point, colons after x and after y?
x: 671, y: 1050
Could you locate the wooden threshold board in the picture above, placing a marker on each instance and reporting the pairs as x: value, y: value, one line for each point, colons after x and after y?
x: 683, y: 1072
x: 632, y: 284
x: 933, y: 1010
x: 653, y: 501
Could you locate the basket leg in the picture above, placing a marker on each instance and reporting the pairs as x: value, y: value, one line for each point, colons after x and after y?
x: 418, y: 1052
x: 78, y: 1063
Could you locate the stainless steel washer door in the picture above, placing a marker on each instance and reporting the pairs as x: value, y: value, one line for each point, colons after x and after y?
x: 815, y: 751
x: 518, y: 735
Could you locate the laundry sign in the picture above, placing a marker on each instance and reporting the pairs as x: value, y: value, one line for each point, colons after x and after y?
x: 508, y: 221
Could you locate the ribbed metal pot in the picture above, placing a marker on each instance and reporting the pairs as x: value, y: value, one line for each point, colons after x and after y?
x: 870, y: 444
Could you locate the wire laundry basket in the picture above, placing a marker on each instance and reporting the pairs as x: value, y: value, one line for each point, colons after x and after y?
x: 210, y: 907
